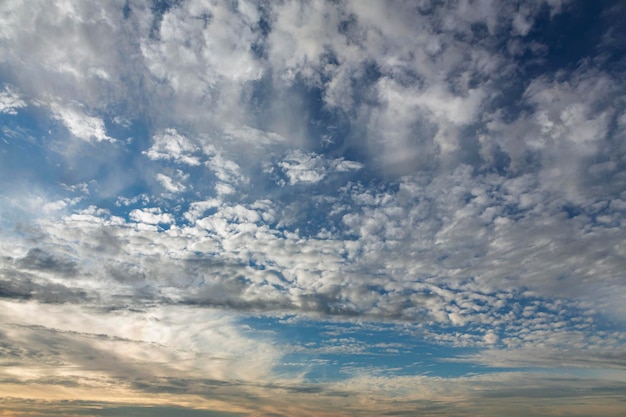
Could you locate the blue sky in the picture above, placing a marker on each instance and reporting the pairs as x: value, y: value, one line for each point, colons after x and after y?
x: 324, y: 208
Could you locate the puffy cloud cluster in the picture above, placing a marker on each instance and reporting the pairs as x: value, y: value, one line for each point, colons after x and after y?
x: 299, y: 167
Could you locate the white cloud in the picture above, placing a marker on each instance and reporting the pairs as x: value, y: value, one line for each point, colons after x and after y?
x: 173, y: 185
x: 300, y: 167
x: 341, y: 165
x: 175, y: 342
x: 225, y: 169
x: 171, y: 145
x: 151, y: 216
x: 224, y: 189
x: 80, y: 124
x: 203, y: 55
x: 490, y: 338
x: 10, y: 101
x: 422, y: 240
x: 60, y: 204
x: 569, y: 122
x: 252, y: 136
x: 197, y: 208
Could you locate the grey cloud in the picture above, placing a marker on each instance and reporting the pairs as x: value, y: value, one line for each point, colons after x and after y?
x: 110, y: 409
x: 78, y: 58
x: 451, y: 224
x: 414, y: 244
x: 598, y: 357
x: 47, y: 293
x: 31, y: 282
x: 360, y: 55
x: 40, y: 260
x: 16, y: 286
x: 133, y: 276
x: 164, y: 411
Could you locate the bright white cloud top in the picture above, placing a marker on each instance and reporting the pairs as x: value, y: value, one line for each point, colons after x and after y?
x: 337, y: 208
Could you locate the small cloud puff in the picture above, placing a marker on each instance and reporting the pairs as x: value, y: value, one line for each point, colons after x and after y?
x: 80, y: 124
x: 173, y: 184
x: 490, y: 338
x: 172, y: 146
x: 10, y: 101
x: 250, y: 135
x: 311, y: 168
x: 152, y: 216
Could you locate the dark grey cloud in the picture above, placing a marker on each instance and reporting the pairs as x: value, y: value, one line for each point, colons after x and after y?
x: 40, y: 260
x: 21, y: 286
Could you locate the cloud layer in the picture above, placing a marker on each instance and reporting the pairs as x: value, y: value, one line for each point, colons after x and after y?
x: 331, y: 207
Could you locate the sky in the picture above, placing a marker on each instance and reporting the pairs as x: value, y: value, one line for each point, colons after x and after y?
x: 312, y: 208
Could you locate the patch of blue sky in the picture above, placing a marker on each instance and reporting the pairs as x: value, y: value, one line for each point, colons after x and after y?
x: 25, y: 154
x: 568, y: 37
x: 338, y: 350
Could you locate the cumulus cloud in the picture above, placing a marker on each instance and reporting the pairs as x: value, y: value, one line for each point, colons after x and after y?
x: 81, y: 125
x: 225, y: 169
x: 173, y: 184
x: 299, y: 167
x: 151, y: 216
x: 171, y: 145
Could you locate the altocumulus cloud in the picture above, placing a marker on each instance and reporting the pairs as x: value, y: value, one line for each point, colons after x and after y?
x: 346, y: 208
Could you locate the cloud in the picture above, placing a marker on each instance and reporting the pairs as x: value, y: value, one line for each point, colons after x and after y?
x: 74, y: 58
x: 199, y: 357
x: 80, y: 124
x: 170, y: 145
x: 10, y: 101
x: 173, y: 185
x: 39, y: 260
x: 233, y: 255
x: 141, y: 337
x: 299, y: 167
x: 262, y: 192
x: 151, y: 216
x: 225, y: 169
x: 252, y: 136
